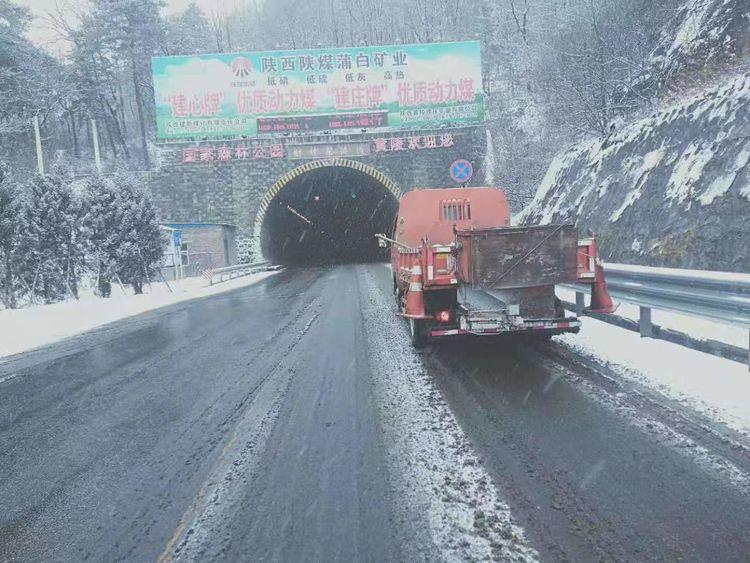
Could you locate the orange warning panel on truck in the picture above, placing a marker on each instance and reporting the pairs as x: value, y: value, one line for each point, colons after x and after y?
x: 432, y: 213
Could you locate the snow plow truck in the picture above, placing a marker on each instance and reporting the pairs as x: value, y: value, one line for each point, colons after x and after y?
x: 460, y: 268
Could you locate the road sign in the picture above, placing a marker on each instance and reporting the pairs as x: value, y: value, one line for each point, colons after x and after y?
x: 461, y: 171
x: 177, y: 238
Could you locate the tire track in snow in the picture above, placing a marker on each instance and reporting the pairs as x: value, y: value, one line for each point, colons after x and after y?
x: 438, y: 483
x: 201, y: 534
x: 717, y: 465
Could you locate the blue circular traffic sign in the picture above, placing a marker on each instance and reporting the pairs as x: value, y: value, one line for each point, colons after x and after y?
x: 461, y: 171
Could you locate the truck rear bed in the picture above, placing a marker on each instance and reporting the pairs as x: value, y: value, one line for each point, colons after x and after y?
x: 491, y: 312
x: 507, y: 275
x: 517, y: 257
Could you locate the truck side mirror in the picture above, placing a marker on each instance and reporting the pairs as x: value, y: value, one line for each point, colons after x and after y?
x: 382, y: 243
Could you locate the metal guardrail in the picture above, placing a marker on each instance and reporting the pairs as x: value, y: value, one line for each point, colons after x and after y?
x: 717, y: 296
x: 219, y: 275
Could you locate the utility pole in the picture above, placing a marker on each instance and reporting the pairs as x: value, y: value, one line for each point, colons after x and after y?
x: 95, y: 137
x: 38, y: 139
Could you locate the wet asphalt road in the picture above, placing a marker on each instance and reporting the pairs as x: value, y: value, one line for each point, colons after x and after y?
x: 592, y: 468
x: 113, y: 444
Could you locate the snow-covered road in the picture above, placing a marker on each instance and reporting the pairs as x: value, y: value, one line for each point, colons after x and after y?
x: 290, y: 419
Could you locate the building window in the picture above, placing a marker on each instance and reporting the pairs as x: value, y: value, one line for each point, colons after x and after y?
x: 184, y: 254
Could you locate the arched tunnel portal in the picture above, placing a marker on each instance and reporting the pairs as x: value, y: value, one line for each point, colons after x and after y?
x: 327, y: 212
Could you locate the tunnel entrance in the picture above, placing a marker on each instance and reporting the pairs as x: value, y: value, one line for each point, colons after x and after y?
x: 328, y: 215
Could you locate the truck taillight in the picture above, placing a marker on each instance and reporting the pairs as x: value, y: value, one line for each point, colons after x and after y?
x: 586, y: 259
x: 442, y: 263
x: 443, y: 316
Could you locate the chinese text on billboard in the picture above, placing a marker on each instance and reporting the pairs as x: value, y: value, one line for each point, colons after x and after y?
x: 404, y: 86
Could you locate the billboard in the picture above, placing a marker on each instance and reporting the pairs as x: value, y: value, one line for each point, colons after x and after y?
x: 396, y: 86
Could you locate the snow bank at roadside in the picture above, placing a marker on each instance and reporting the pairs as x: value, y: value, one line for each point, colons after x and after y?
x: 25, y: 329
x: 714, y: 386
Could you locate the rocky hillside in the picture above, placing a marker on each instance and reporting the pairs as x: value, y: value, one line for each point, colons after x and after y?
x: 706, y: 37
x: 669, y: 190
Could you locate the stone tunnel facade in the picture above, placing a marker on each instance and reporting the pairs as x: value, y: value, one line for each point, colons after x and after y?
x: 233, y: 182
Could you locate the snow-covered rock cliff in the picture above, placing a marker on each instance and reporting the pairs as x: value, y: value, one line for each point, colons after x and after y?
x: 705, y: 36
x: 669, y: 190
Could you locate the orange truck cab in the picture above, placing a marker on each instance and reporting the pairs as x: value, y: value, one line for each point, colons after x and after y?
x: 460, y: 268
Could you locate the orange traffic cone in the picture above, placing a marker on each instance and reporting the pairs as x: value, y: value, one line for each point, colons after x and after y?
x: 414, y: 296
x: 601, y: 300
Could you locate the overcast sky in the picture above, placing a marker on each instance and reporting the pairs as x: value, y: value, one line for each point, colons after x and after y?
x: 42, y: 34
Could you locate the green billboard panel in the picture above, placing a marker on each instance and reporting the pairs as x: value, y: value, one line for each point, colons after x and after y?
x: 384, y: 87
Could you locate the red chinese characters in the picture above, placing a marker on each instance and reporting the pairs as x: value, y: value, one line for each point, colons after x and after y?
x: 211, y: 103
x: 179, y: 106
x: 276, y: 151
x: 206, y: 154
x: 397, y: 144
x: 224, y: 153
x: 275, y: 100
x: 189, y: 155
x: 342, y: 97
x: 244, y: 102
x: 423, y: 93
x: 205, y: 105
x: 414, y: 142
x: 374, y: 95
x: 358, y: 96
x: 405, y: 97
x: 446, y: 140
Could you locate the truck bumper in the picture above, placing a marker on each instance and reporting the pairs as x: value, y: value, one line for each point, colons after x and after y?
x: 549, y: 326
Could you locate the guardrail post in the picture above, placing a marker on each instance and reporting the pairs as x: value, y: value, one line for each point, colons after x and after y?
x: 580, y: 303
x: 644, y: 322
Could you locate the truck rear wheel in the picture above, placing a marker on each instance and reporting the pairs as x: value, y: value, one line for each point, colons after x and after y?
x: 540, y: 340
x: 418, y: 332
x: 559, y: 309
x: 544, y: 338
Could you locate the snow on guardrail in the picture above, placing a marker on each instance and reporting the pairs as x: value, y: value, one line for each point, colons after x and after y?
x: 722, y: 297
x: 219, y: 275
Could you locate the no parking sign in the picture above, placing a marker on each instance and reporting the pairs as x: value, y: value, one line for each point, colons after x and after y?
x: 461, y: 171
